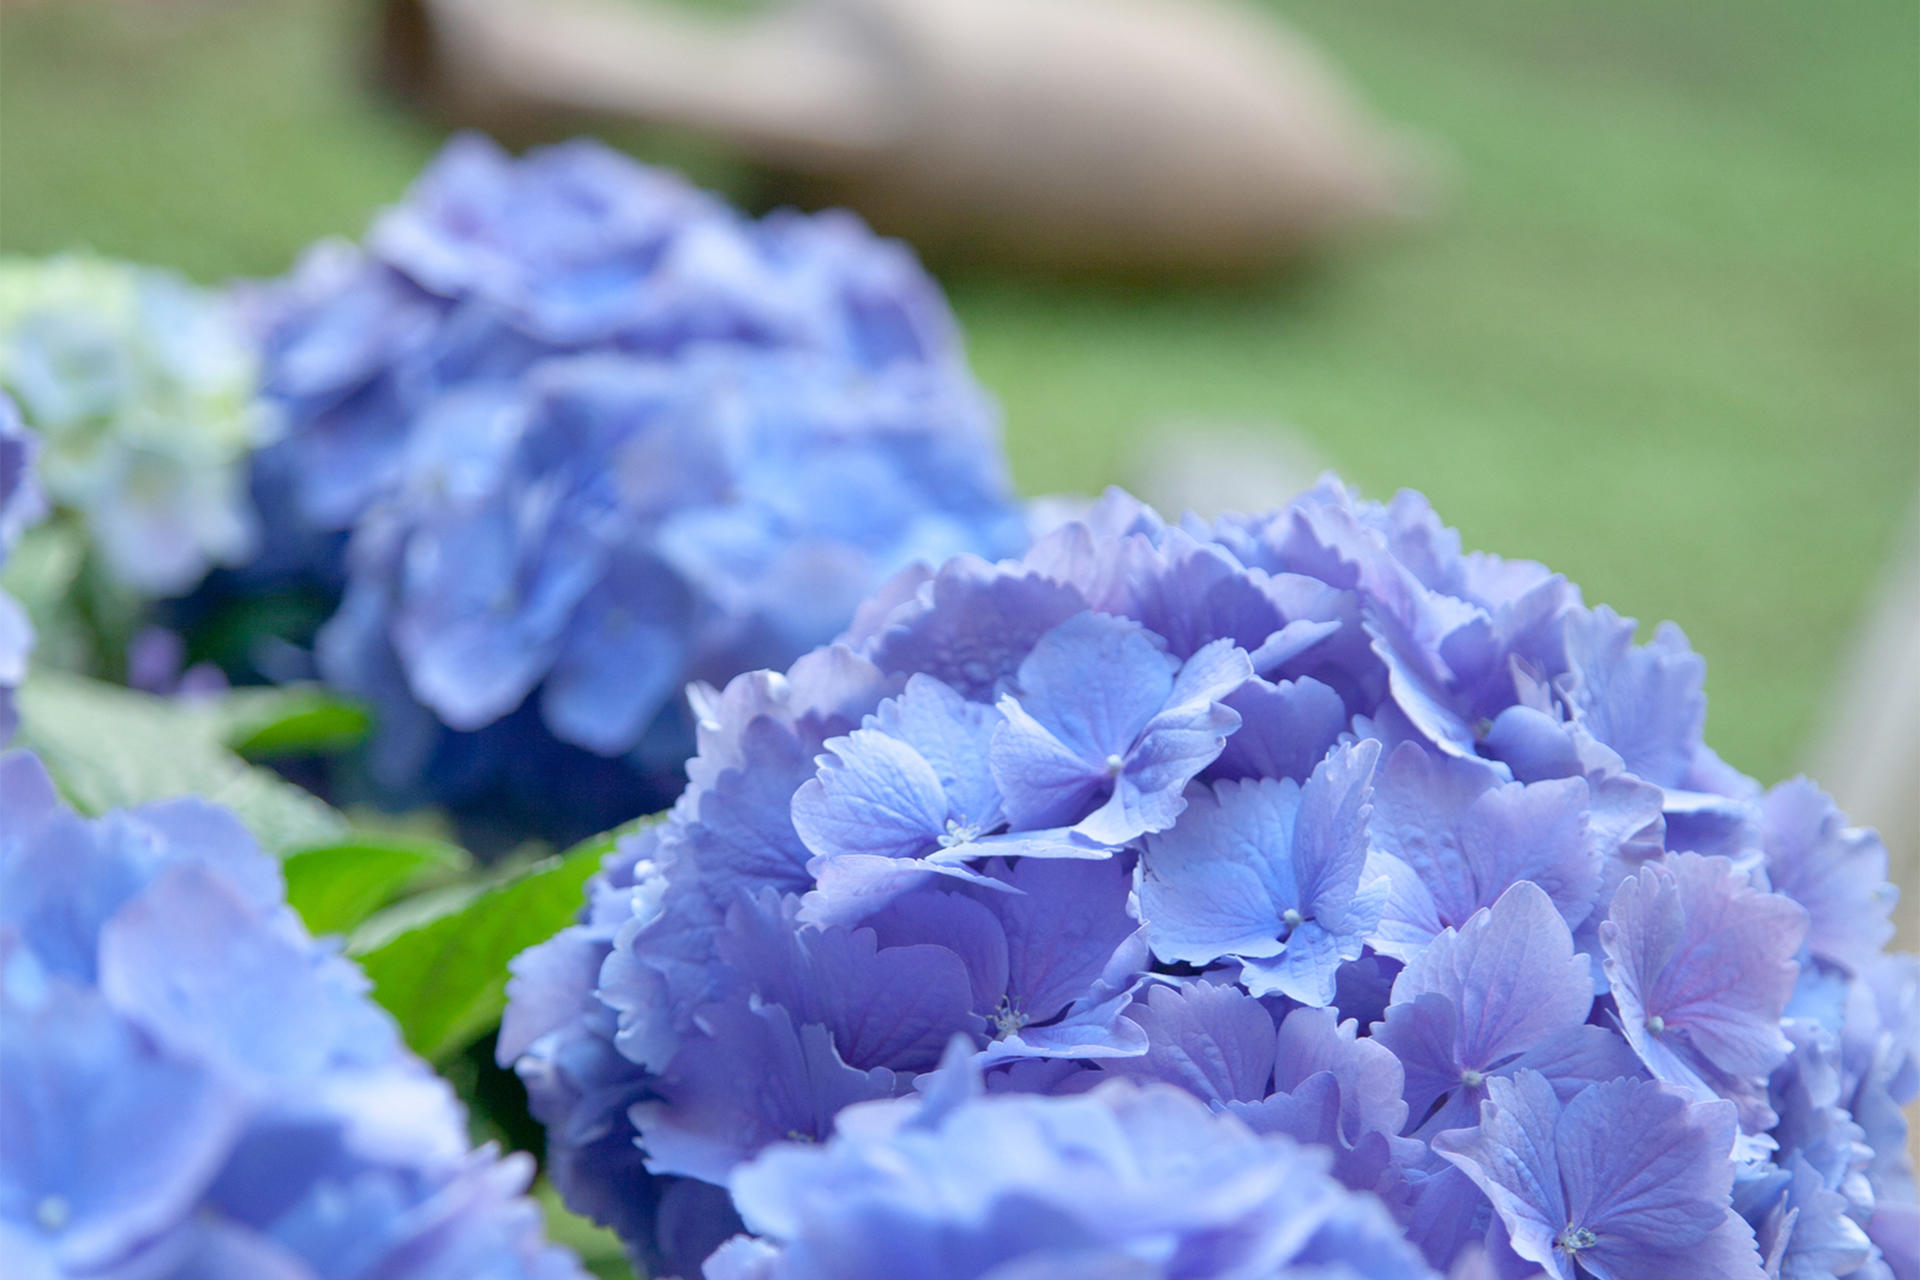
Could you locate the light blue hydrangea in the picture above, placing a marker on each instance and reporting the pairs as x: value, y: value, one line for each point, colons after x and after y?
x: 141, y: 389
x: 191, y: 1088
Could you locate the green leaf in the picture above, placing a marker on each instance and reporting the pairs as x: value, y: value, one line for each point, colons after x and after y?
x: 43, y: 573
x: 109, y: 748
x: 335, y: 887
x: 43, y: 567
x: 438, y: 960
x: 298, y: 719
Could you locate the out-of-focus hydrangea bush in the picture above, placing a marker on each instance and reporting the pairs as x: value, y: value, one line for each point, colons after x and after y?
x: 193, y: 1089
x: 1405, y: 854
x: 21, y: 504
x: 569, y: 434
x: 140, y: 389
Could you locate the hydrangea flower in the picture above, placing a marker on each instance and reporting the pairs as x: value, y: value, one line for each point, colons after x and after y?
x: 1628, y: 1179
x: 1403, y: 854
x: 142, y: 390
x: 596, y: 435
x: 192, y: 1087
x: 21, y: 504
x: 1123, y: 1181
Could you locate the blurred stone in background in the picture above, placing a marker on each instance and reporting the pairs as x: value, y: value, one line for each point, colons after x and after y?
x: 1129, y: 136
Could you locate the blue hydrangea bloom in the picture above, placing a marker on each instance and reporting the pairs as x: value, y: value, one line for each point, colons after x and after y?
x: 1701, y: 966
x: 191, y: 1087
x: 1272, y: 874
x: 142, y: 389
x: 1628, y: 1179
x: 21, y: 504
x: 1400, y: 853
x: 1124, y: 1181
x: 1504, y: 993
x: 594, y: 435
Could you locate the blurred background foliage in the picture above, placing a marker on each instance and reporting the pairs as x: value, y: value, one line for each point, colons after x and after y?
x: 1663, y: 334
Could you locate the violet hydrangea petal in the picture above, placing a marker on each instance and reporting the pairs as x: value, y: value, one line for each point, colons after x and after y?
x: 1269, y: 873
x: 1838, y: 873
x: 1701, y: 965
x: 1503, y: 993
x: 751, y: 1078
x: 1062, y: 732
x: 1467, y: 836
x: 110, y: 1139
x: 1629, y: 1179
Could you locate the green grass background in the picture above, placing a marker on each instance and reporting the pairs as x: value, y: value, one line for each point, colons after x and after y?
x: 1665, y: 336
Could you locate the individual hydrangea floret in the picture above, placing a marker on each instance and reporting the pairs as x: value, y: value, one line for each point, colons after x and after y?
x: 1838, y: 873
x: 1458, y: 836
x: 1125, y: 1181
x: 141, y: 389
x: 595, y: 435
x: 1400, y: 853
x: 1272, y: 874
x: 1627, y: 1180
x: 1701, y: 965
x: 1504, y: 993
x: 192, y: 1087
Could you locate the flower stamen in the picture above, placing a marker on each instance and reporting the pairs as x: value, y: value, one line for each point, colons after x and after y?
x: 1574, y: 1239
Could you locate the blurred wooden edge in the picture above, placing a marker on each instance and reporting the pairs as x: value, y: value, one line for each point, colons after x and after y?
x: 1868, y: 752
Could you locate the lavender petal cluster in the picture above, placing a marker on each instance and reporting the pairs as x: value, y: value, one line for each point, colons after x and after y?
x: 1403, y: 853
x: 141, y: 388
x: 192, y: 1089
x: 22, y: 503
x: 1141, y: 1182
x: 595, y: 435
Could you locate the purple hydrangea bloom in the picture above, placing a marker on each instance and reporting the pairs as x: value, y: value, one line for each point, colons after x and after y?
x: 1629, y: 1179
x: 1271, y: 874
x: 1838, y: 873
x: 595, y: 436
x: 191, y: 1087
x: 1459, y: 837
x: 1369, y: 843
x: 1125, y: 1181
x: 1134, y: 741
x: 1504, y: 993
x: 21, y: 499
x: 21, y: 504
x: 1701, y: 965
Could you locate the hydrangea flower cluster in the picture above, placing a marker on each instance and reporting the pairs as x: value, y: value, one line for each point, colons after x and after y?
x: 21, y: 504
x: 597, y: 435
x: 1122, y: 1181
x: 1406, y: 854
x: 191, y: 1087
x: 141, y: 388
